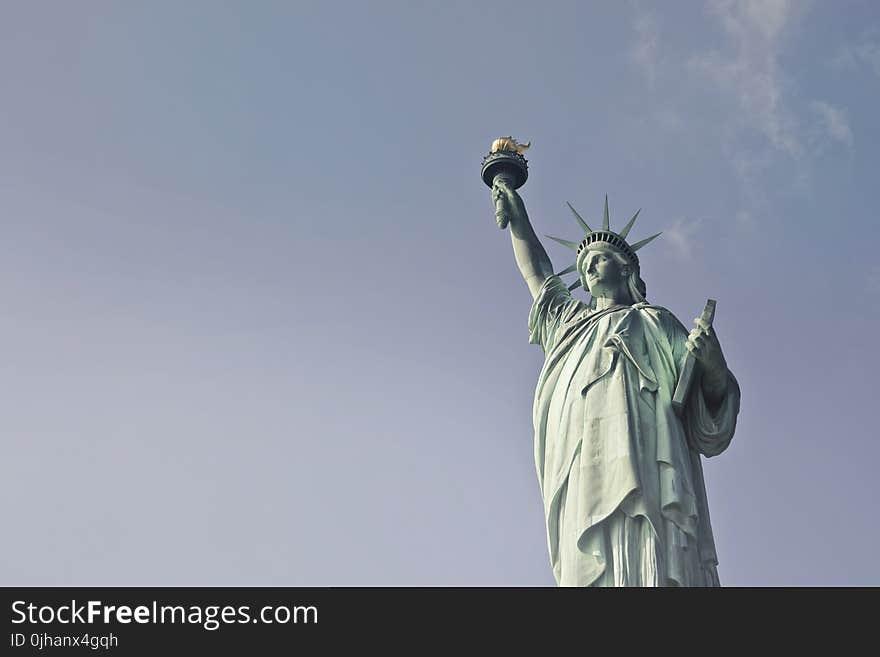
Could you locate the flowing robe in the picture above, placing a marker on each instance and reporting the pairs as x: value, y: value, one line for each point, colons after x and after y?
x: 620, y: 472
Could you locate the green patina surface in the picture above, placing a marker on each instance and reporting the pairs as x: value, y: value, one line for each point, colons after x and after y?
x: 619, y: 465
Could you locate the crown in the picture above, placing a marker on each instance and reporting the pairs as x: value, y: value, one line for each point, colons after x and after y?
x: 605, y: 237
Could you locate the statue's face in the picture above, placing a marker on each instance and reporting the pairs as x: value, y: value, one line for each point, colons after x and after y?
x: 604, y: 272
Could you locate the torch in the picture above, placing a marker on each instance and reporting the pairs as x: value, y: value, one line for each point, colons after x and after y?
x: 505, y: 162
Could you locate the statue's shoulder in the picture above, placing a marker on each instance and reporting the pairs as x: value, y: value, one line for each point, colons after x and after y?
x: 653, y: 310
x: 658, y: 314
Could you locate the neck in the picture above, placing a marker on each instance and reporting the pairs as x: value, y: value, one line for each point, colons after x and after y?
x: 613, y: 298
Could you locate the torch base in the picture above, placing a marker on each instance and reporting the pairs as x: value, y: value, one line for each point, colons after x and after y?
x: 507, y: 162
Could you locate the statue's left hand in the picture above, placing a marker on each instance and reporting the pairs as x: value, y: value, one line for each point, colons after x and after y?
x: 703, y: 344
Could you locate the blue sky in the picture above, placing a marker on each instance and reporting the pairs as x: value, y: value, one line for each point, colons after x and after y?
x: 262, y: 329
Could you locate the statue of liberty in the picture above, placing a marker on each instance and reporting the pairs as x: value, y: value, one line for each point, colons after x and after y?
x: 618, y: 463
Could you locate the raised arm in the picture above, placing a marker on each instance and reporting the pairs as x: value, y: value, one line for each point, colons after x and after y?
x: 531, y: 258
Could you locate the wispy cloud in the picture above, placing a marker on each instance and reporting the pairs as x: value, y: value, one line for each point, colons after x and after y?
x: 749, y: 70
x: 645, y: 50
x: 682, y: 236
x: 740, y: 92
x: 763, y: 116
x: 649, y: 59
x: 863, y: 53
x: 745, y: 222
x: 834, y: 121
x: 768, y: 119
x: 668, y: 119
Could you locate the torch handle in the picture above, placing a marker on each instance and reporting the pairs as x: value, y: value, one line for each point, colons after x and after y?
x: 501, y: 213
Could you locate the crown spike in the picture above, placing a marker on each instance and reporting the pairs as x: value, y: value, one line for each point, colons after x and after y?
x: 606, y: 224
x: 567, y: 270
x: 639, y: 245
x: 629, y: 224
x: 580, y: 219
x: 571, y: 245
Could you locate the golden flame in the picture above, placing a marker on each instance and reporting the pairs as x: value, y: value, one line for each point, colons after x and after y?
x: 508, y: 144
